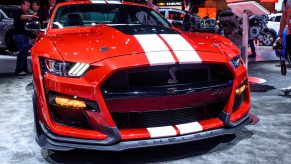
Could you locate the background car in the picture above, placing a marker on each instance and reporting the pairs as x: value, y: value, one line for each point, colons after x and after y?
x: 173, y: 15
x: 274, y: 21
x: 177, y: 16
x: 6, y: 27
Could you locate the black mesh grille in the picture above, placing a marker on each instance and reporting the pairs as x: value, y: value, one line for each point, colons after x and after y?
x: 165, y: 118
x: 154, y: 76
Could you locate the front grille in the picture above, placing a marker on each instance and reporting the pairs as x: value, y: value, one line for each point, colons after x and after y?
x: 167, y: 75
x: 169, y: 117
x: 166, y: 87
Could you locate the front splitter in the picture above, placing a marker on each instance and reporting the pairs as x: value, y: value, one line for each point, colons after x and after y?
x: 51, y: 143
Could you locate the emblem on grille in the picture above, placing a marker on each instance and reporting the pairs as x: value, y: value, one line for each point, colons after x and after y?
x: 173, y: 79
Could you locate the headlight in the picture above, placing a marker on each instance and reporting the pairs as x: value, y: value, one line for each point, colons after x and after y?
x: 61, y: 68
x: 235, y: 62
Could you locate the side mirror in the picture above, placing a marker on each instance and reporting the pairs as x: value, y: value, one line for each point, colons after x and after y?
x: 32, y: 25
x: 177, y: 24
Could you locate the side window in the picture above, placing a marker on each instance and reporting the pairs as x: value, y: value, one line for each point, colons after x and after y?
x: 176, y: 15
x: 163, y: 13
x: 278, y: 18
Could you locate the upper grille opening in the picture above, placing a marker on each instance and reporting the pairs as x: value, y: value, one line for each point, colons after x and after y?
x: 168, y: 75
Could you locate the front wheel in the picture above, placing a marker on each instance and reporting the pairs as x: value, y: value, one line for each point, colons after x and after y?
x: 269, y: 38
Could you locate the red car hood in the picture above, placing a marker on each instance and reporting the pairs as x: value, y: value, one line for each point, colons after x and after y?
x: 92, y: 44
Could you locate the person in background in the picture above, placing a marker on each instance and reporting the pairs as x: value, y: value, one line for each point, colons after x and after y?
x: 36, y: 9
x: 21, y: 36
x: 151, y: 5
x: 253, y: 49
x: 285, y: 20
x: 217, y: 14
x: 187, y: 24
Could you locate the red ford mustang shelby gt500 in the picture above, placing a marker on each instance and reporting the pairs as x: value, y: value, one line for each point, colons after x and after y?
x: 115, y: 76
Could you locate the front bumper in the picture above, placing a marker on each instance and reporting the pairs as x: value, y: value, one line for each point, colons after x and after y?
x: 50, y: 141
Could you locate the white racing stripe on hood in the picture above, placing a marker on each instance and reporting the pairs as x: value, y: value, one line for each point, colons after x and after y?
x: 182, y: 49
x: 156, y: 50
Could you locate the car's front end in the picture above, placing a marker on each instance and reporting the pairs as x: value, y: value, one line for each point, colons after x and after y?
x: 126, y: 85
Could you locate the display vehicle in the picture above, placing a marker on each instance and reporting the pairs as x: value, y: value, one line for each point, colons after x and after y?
x: 112, y: 76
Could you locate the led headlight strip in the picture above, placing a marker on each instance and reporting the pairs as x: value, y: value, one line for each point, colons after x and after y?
x: 78, y: 69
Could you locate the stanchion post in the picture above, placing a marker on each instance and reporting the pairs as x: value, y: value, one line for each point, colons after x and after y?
x: 245, y: 39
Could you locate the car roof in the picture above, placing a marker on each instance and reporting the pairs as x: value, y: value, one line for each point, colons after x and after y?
x: 274, y: 15
x: 9, y: 6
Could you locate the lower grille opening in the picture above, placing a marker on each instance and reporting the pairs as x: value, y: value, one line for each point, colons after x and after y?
x: 132, y: 120
x: 238, y: 101
x: 67, y: 117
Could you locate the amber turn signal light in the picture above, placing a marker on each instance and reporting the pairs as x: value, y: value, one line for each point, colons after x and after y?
x: 70, y: 102
x: 240, y: 90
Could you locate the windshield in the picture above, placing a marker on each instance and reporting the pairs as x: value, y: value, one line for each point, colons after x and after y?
x: 114, y: 14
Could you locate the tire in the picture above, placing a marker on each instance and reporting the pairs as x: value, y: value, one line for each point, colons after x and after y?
x: 10, y: 43
x: 270, y: 38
